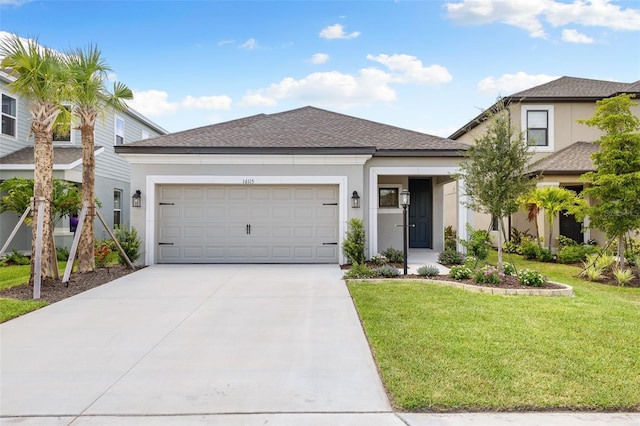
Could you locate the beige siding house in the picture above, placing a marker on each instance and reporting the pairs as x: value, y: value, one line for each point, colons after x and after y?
x: 548, y: 117
x: 280, y: 188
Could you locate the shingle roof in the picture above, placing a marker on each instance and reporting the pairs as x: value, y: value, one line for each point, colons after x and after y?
x: 306, y: 128
x: 563, y: 89
x: 574, y: 159
x: 62, y: 156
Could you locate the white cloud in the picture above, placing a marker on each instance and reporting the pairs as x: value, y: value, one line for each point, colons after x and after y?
x: 319, y: 58
x: 225, y: 42
x: 573, y: 36
x: 328, y: 88
x: 249, y: 44
x: 336, y: 31
x: 508, y: 84
x: 156, y: 102
x: 409, y: 69
x: 14, y: 2
x: 529, y: 15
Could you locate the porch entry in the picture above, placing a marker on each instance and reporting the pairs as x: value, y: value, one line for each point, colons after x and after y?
x: 420, y: 213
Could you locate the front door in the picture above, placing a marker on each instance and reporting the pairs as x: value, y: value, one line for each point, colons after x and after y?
x: 569, y: 226
x: 420, y: 213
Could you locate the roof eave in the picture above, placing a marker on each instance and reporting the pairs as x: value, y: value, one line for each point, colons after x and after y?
x: 124, y: 149
x: 419, y: 153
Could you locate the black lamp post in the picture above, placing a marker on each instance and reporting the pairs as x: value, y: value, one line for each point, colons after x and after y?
x: 405, y: 200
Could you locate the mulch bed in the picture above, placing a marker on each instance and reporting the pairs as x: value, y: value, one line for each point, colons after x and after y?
x: 53, y: 290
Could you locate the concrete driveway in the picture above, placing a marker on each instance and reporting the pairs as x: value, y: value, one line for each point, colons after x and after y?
x: 194, y: 341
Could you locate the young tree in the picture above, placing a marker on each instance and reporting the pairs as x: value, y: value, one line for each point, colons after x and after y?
x: 88, y: 73
x: 38, y: 76
x: 615, y: 184
x: 494, y: 169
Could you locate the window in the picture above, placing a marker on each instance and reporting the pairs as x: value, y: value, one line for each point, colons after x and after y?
x: 538, y: 121
x: 537, y: 128
x: 119, y: 131
x: 62, y: 131
x: 9, y: 106
x: 388, y: 197
x: 117, y: 208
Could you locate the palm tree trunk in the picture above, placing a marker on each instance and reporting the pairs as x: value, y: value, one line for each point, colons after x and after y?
x: 42, y: 189
x: 86, y: 257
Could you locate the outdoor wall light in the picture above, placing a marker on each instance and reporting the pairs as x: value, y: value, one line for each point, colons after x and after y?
x: 355, y: 200
x: 136, y: 199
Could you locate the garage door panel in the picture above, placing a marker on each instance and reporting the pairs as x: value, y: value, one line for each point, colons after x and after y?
x: 244, y: 224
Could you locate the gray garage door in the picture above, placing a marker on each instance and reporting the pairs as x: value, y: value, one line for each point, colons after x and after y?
x: 247, y: 224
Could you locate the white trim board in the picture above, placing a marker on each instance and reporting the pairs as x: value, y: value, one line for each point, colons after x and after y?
x: 154, y: 180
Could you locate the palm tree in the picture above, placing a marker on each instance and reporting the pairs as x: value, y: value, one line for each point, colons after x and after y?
x: 553, y: 200
x: 39, y: 76
x: 90, y: 97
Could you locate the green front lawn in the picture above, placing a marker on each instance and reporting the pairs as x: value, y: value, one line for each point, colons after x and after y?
x: 441, y: 348
x: 11, y: 276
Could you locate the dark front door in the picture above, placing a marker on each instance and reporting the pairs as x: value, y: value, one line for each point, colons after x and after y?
x: 420, y: 213
x: 569, y: 226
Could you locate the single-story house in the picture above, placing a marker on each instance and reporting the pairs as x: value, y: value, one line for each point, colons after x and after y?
x: 280, y: 188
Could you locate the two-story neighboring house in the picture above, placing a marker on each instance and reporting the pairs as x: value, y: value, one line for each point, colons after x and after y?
x: 112, y: 171
x: 548, y: 117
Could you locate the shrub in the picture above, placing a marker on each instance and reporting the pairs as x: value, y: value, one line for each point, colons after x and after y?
x: 387, y: 271
x: 360, y: 270
x: 394, y: 256
x: 450, y: 238
x: 574, y: 253
x: 353, y: 245
x: 623, y: 276
x: 15, y: 258
x: 510, y: 247
x: 531, y: 278
x: 478, y: 243
x: 460, y: 272
x: 509, y: 268
x: 428, y: 271
x: 487, y: 275
x: 451, y: 257
x: 591, y: 270
x: 62, y: 253
x: 529, y: 248
x: 600, y: 260
x: 565, y: 242
x: 129, y: 242
x: 101, y: 253
x: 545, y: 255
x: 379, y: 259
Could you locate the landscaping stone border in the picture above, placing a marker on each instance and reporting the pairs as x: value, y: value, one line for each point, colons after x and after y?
x: 567, y: 291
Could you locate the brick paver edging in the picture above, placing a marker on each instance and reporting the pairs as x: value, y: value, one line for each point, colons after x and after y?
x: 567, y: 291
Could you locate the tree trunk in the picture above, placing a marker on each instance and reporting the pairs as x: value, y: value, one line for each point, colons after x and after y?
x: 621, y: 251
x: 500, y: 231
x: 42, y: 187
x: 86, y: 257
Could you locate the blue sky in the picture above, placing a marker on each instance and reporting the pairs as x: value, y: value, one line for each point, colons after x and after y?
x: 429, y: 66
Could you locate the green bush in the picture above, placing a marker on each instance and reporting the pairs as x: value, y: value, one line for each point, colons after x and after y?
x: 509, y: 268
x: 379, y: 259
x: 622, y: 276
x: 565, y: 242
x: 450, y: 238
x: 460, y: 272
x: 428, y: 271
x: 130, y: 243
x: 487, y: 275
x: 531, y: 278
x: 15, y: 258
x: 545, y: 255
x: 478, y: 243
x: 62, y: 253
x: 353, y: 245
x: 451, y: 257
x: 394, y: 256
x: 529, y: 248
x: 360, y: 270
x: 575, y: 253
x: 387, y: 271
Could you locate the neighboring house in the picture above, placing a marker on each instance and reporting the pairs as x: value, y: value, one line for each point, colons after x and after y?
x: 548, y: 117
x: 112, y: 172
x: 280, y: 188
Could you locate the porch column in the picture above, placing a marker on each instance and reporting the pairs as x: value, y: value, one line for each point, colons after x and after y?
x: 463, y: 213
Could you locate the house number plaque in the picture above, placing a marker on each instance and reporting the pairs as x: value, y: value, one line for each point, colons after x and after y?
x: 247, y: 181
